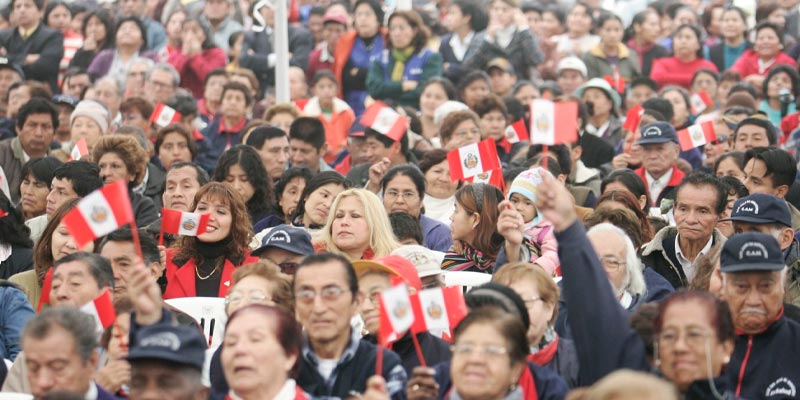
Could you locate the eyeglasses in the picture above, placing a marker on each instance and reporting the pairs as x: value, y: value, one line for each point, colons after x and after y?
x: 331, y: 293
x: 693, y: 338
x: 488, y: 351
x: 612, y: 264
x: 256, y: 296
x: 393, y: 194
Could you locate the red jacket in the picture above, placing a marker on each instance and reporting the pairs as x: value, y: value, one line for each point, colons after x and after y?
x: 671, y: 71
x: 747, y: 64
x: 181, y: 279
x: 194, y: 70
x: 668, y: 191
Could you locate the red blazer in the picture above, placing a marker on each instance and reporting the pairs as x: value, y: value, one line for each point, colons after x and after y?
x: 181, y: 279
x: 194, y: 70
x: 747, y: 64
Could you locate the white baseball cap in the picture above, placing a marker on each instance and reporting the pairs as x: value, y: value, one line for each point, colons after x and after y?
x: 428, y: 263
x: 573, y: 63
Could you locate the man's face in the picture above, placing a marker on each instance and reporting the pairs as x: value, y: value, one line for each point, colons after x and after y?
x: 133, y: 8
x: 641, y: 93
x: 502, y: 81
x: 331, y: 33
x: 269, y: 15
x: 315, y: 26
x: 275, y: 155
x: 234, y: 104
x: 326, y: 316
x: 76, y: 84
x: 106, y: 93
x: 611, y: 250
x: 25, y: 13
x: 16, y: 98
x: 36, y: 134
x: 302, y: 154
x: 285, y: 259
x: 376, y: 150
x: 695, y: 212
x: 160, y: 85
x: 783, y: 234
x: 217, y: 10
x: 757, y: 181
x: 122, y: 256
x: 153, y: 380
x: 181, y: 186
x: 298, y: 88
x: 569, y: 80
x: 749, y: 136
x: 357, y: 147
x: 54, y: 364
x: 134, y: 83
x: 60, y: 191
x: 658, y: 158
x: 174, y: 148
x: 8, y: 77
x: 73, y: 285
x: 755, y: 298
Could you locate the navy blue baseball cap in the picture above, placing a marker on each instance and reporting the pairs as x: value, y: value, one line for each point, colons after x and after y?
x: 5, y: 63
x: 285, y: 237
x: 657, y: 132
x: 66, y: 99
x: 179, y: 344
x: 760, y: 208
x: 751, y: 251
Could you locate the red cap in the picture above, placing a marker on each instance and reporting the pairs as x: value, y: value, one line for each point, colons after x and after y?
x: 393, y: 265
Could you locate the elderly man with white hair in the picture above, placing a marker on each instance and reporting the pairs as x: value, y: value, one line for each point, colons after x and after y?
x: 621, y: 262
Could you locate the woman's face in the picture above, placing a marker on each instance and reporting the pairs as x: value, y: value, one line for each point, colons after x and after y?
x: 539, y: 312
x: 732, y: 25
x: 685, y: 44
x: 34, y: 196
x: 400, y: 194
x: 238, y: 178
x: 219, y: 221
x: 401, y: 33
x: 728, y: 167
x: 611, y: 32
x: 252, y: 356
x: 59, y: 18
x: 501, y: 13
x: 679, y: 107
x: 579, y: 21
x: 251, y: 289
x: 481, y: 367
x: 282, y: 121
x: 291, y: 195
x: 493, y: 124
x: 192, y: 30
x: 526, y: 94
x: 778, y: 17
x: 726, y: 227
x: 95, y: 28
x: 431, y: 98
x: 475, y: 91
x: 319, y: 203
x: 112, y: 168
x: 350, y: 229
x: 462, y: 224
x: 778, y: 81
x: 438, y: 183
x: 465, y: 133
x: 175, y: 24
x: 369, y: 287
x: 129, y: 34
x: 62, y: 244
x: 365, y: 21
x: 455, y: 19
x: 716, y: 20
x: 551, y: 24
x: 601, y: 103
x: 705, y: 82
x: 650, y: 29
x: 687, y: 343
x: 767, y: 44
x: 85, y: 128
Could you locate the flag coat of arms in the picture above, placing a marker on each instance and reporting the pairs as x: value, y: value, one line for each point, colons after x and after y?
x: 79, y: 151
x: 164, y: 115
x: 553, y: 123
x: 473, y: 159
x: 697, y: 135
x: 493, y: 177
x: 438, y: 310
x: 102, y: 310
x: 100, y: 213
x: 396, y: 314
x: 183, y: 223
x: 516, y: 132
x: 386, y: 121
x: 700, y: 101
x: 633, y: 118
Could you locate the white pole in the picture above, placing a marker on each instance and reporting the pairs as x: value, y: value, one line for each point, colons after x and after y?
x: 281, y: 47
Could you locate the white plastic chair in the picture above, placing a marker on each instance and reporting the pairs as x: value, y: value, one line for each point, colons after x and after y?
x: 209, y: 312
x: 465, y: 279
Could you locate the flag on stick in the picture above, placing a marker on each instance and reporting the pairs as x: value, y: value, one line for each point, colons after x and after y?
x: 553, y: 123
x: 79, y: 151
x: 697, y: 135
x: 386, y: 121
x: 183, y: 223
x: 102, y: 309
x: 100, y: 213
x: 473, y: 159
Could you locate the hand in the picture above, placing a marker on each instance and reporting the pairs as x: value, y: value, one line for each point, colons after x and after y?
x: 555, y: 202
x: 31, y: 58
x: 145, y: 294
x: 376, y: 389
x: 376, y: 173
x: 113, y: 375
x: 422, y: 384
x: 510, y: 223
x: 521, y: 20
x: 621, y: 160
x: 89, y: 43
x: 408, y: 86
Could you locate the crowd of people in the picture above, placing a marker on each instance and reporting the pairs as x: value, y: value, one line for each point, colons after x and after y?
x: 632, y: 263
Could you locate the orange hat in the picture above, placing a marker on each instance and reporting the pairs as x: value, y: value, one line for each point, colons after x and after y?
x: 392, y: 265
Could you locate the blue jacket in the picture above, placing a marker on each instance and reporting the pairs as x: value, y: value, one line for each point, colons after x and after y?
x: 549, y: 386
x: 215, y: 144
x: 436, y: 234
x: 16, y: 311
x: 422, y: 66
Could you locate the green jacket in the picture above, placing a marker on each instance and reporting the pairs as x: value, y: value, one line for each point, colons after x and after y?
x: 381, y: 88
x: 597, y: 64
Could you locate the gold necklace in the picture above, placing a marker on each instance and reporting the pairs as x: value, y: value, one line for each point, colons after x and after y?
x: 202, y: 278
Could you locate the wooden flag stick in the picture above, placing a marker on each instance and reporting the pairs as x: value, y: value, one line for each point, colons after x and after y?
x: 379, y: 361
x: 418, y: 348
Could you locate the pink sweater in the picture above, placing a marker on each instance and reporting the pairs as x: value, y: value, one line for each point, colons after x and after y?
x: 543, y: 235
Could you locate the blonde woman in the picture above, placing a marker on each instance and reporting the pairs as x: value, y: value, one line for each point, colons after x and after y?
x: 357, y: 227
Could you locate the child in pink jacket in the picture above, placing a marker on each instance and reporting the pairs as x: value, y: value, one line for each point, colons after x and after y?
x: 538, y: 230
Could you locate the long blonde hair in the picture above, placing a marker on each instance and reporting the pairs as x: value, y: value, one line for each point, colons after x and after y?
x: 381, y: 238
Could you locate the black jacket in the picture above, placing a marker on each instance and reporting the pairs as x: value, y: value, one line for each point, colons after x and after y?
x: 716, y: 54
x: 21, y: 259
x: 301, y: 43
x: 523, y: 53
x: 144, y: 211
x: 435, y: 350
x: 46, y: 42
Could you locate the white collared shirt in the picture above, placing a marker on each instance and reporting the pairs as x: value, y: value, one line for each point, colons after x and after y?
x: 599, y: 131
x: 657, y: 185
x: 91, y: 394
x: 325, y: 55
x: 688, y: 266
x: 460, y: 46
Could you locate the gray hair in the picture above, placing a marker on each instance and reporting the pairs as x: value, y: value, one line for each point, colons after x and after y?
x: 143, y: 60
x: 79, y: 325
x: 99, y: 267
x: 117, y: 85
x: 176, y: 76
x: 634, y: 277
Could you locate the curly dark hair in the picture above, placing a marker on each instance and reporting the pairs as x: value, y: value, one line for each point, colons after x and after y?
x: 262, y: 202
x: 13, y: 230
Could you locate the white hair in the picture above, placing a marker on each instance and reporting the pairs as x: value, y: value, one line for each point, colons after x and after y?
x: 634, y: 276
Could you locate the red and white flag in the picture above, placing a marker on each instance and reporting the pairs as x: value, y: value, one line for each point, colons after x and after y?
x: 396, y: 314
x: 383, y: 119
x: 183, y: 223
x: 517, y: 132
x: 438, y: 310
x: 3, y: 213
x: 633, y: 118
x: 697, y: 135
x: 700, y: 101
x: 493, y: 177
x: 616, y: 81
x: 79, y: 151
x: 553, y: 123
x: 164, y: 115
x: 473, y: 159
x: 102, y: 309
x: 100, y: 213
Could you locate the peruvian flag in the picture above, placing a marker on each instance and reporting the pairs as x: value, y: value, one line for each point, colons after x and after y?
x: 164, y: 115
x: 493, y: 177
x: 47, y: 287
x: 396, y: 314
x: 102, y: 309
x: 553, y: 123
x: 517, y: 132
x: 100, y: 213
x: 697, y: 135
x: 617, y: 82
x: 383, y: 119
x: 633, y: 118
x: 79, y: 151
x: 438, y: 310
x: 3, y: 213
x: 183, y: 223
x: 473, y: 159
x: 700, y: 101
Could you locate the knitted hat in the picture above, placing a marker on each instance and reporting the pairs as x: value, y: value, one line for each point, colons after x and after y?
x: 526, y: 182
x: 94, y: 110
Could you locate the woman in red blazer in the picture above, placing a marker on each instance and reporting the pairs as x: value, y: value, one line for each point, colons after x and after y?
x: 202, y: 266
x: 767, y: 52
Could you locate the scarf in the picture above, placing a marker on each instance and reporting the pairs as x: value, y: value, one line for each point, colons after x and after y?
x: 400, y: 58
x: 469, y: 259
x: 544, y: 352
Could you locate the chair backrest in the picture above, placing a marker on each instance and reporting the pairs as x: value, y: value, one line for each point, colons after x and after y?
x: 466, y: 279
x: 209, y: 312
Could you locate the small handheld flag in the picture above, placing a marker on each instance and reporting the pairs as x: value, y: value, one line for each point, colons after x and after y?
x: 164, y: 115
x: 700, y: 101
x: 383, y: 119
x: 553, y: 123
x: 79, y: 151
x: 517, y: 132
x: 697, y: 135
x: 473, y: 159
x: 100, y: 213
